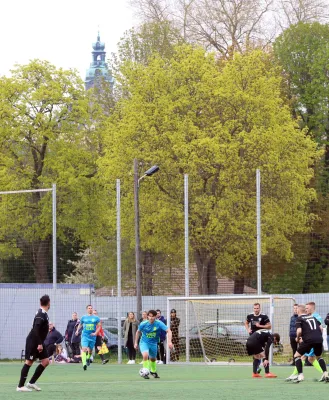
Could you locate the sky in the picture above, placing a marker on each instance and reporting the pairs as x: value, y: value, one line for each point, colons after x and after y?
x: 60, y: 31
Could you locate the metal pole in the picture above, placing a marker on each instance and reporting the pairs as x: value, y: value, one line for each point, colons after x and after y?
x: 137, y: 245
x: 187, y: 275
x: 119, y: 270
x: 54, y: 251
x: 259, y: 235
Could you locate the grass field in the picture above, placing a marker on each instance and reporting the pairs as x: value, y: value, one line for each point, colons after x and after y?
x: 177, y: 382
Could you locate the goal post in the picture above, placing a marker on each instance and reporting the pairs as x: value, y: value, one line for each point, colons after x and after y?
x: 212, y: 328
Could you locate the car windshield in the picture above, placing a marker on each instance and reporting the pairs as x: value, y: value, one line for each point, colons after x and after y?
x: 236, y: 330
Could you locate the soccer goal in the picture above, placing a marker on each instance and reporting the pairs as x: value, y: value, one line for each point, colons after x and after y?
x: 212, y: 329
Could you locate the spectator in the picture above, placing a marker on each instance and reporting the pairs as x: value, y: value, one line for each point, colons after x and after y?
x: 161, y: 352
x: 61, y: 355
x: 292, y: 333
x: 174, y: 327
x: 53, y: 338
x: 277, y: 346
x: 130, y: 327
x: 71, y: 339
x: 326, y: 321
x: 99, y: 342
x: 144, y: 316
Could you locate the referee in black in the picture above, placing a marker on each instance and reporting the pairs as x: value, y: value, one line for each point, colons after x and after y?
x: 34, y: 347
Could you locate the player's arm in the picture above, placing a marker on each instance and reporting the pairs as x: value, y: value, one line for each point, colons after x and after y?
x: 267, y: 347
x: 298, y: 334
x: 169, y: 337
x: 98, y: 328
x: 36, y: 330
x: 246, y: 324
x: 266, y: 326
x: 137, y: 336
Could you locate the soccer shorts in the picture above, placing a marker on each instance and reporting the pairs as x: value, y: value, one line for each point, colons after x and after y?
x: 88, y: 341
x: 151, y: 348
x: 253, y: 347
x: 304, y: 348
x: 32, y: 352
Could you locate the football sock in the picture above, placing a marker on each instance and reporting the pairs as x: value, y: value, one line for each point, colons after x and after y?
x: 299, y: 365
x: 146, y: 364
x: 102, y: 357
x: 37, y: 373
x: 24, y: 374
x: 153, y: 365
x: 267, y: 369
x: 321, y: 363
x: 295, y: 369
x: 88, y: 356
x: 84, y: 358
x: 255, y: 365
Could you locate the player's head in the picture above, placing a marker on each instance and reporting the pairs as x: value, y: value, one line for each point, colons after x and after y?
x: 256, y: 308
x: 301, y: 309
x: 45, y: 302
x: 310, y: 307
x: 151, y: 315
x: 74, y: 315
x: 276, y: 338
x: 95, y: 312
x: 89, y: 309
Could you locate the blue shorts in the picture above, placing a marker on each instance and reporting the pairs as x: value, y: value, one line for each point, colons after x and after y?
x: 310, y: 354
x: 88, y: 341
x: 151, y: 348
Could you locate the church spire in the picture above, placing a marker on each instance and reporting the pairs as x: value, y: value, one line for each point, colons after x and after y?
x: 98, y: 69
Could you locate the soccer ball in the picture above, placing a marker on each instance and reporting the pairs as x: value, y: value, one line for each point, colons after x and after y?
x: 144, y: 372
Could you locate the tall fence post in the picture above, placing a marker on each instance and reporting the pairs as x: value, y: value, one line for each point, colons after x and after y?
x: 259, y: 234
x: 119, y: 269
x: 54, y: 251
x: 187, y: 272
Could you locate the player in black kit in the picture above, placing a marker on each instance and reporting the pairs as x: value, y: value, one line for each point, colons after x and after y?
x: 258, y: 346
x: 253, y: 323
x: 35, y: 348
x: 309, y: 336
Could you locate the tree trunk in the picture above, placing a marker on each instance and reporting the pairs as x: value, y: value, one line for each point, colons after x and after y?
x: 238, y: 284
x: 207, y: 277
x: 41, y: 257
x: 147, y: 273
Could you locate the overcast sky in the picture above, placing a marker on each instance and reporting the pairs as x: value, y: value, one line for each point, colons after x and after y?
x: 60, y: 31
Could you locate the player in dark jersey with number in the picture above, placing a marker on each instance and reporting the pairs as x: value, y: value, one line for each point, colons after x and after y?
x: 253, y: 323
x: 258, y: 346
x: 35, y: 348
x: 309, y: 335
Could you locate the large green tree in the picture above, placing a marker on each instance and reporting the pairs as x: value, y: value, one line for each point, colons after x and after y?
x: 303, y: 52
x: 218, y: 123
x: 48, y: 133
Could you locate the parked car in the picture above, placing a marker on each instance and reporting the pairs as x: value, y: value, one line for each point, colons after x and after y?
x: 112, y: 342
x: 226, y: 338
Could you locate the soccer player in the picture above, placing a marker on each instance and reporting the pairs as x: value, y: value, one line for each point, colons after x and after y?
x: 309, y: 335
x: 253, y: 323
x: 35, y: 348
x: 258, y: 346
x: 91, y: 327
x: 310, y: 310
x: 148, y: 344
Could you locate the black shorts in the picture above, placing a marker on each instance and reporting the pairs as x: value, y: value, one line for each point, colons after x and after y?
x: 307, y: 347
x: 99, y: 341
x: 254, y: 347
x: 32, y: 352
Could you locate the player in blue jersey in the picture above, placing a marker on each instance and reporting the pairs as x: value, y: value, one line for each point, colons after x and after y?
x: 148, y: 345
x: 91, y: 327
x: 310, y: 310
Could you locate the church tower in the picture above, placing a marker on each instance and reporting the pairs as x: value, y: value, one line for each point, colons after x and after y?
x: 98, y: 70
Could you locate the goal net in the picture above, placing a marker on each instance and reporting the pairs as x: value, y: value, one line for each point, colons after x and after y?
x: 211, y: 329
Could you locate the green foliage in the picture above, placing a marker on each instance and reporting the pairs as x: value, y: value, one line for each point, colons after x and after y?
x: 218, y: 125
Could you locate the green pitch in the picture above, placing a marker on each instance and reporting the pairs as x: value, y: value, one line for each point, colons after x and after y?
x: 177, y: 382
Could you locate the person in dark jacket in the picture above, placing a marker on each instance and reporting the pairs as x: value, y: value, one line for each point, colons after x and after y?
x: 326, y: 321
x: 174, y: 327
x: 161, y: 352
x: 53, y: 338
x: 292, y: 332
x: 71, y: 339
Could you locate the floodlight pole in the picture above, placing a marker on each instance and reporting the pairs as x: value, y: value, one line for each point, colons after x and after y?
x: 259, y: 235
x: 137, y: 244
x: 118, y: 190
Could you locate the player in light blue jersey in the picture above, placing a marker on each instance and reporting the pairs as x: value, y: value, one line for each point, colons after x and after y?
x: 91, y: 327
x: 310, y: 310
x: 148, y: 345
